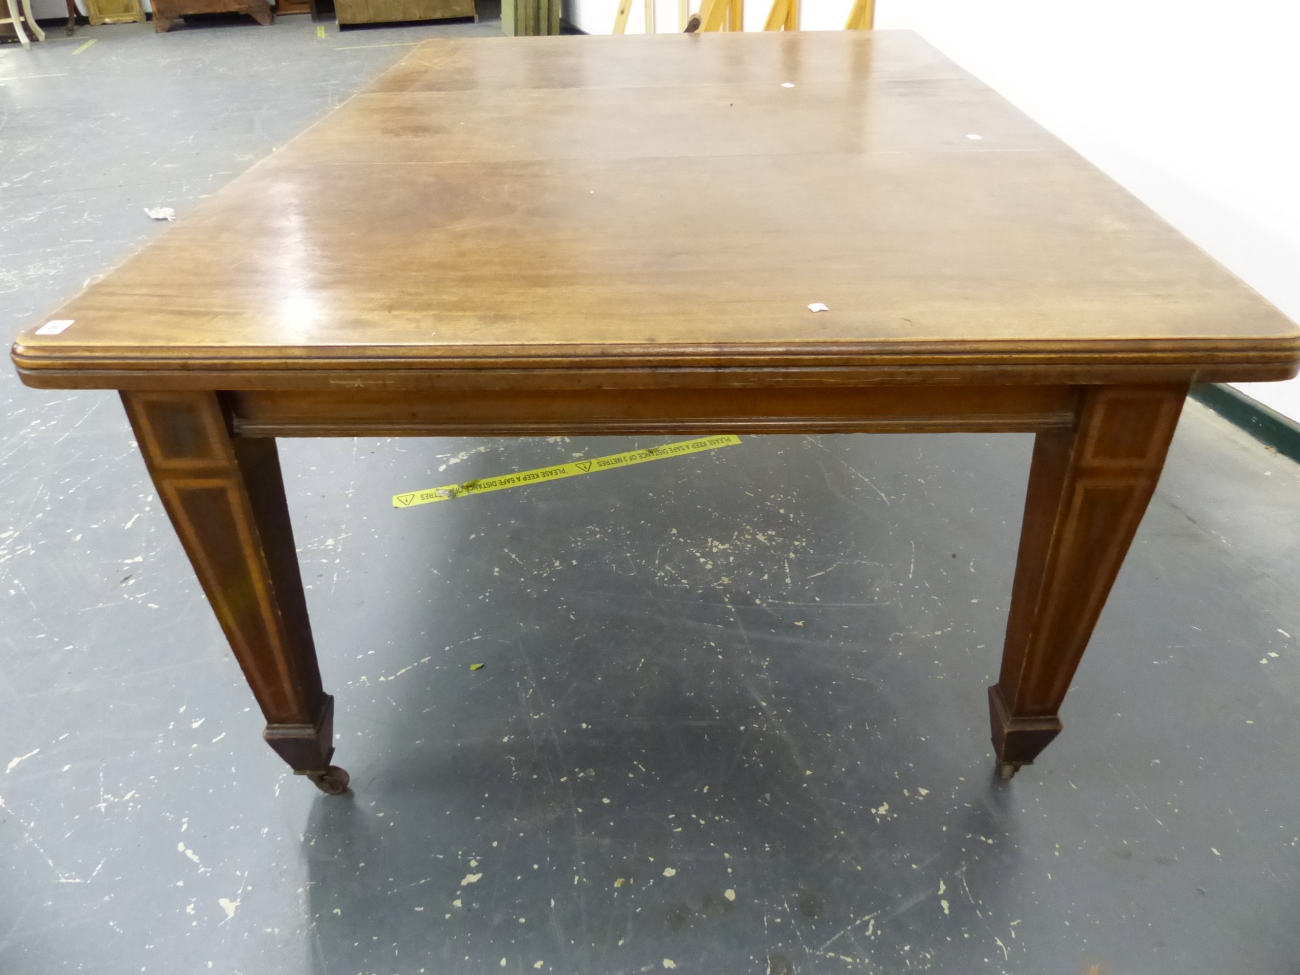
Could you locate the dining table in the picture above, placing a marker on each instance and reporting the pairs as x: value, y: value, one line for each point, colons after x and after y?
x: 699, y: 234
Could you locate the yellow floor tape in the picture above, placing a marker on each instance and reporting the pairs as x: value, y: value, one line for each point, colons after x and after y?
x: 575, y: 469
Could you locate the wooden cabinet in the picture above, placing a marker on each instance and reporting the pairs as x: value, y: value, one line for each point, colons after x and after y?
x: 166, y: 12
x: 391, y: 11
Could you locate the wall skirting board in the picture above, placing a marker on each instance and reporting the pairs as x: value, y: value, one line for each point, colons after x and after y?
x: 1264, y: 424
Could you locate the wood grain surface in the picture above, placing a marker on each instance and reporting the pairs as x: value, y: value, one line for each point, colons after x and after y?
x: 645, y: 204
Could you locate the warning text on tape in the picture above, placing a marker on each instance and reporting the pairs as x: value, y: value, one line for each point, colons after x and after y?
x: 576, y: 468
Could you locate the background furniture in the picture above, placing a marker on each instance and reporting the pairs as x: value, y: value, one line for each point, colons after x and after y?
x: 17, y: 18
x: 729, y: 15
x: 522, y: 18
x: 284, y: 8
x: 114, y: 12
x: 627, y: 235
x: 45, y: 10
x: 166, y: 12
x: 395, y: 11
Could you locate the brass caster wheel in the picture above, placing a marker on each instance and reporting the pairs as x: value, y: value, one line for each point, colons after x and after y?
x: 1007, y: 769
x: 333, y: 781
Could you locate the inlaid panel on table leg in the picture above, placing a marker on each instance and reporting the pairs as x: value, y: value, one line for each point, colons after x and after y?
x: 1088, y: 490
x: 225, y: 497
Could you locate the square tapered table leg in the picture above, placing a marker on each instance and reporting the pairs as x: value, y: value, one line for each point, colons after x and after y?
x: 225, y: 497
x: 1088, y: 489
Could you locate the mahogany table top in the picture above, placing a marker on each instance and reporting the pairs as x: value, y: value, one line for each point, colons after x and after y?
x: 667, y: 202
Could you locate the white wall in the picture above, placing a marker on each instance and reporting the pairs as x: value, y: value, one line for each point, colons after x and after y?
x: 1192, y: 105
x: 52, y: 9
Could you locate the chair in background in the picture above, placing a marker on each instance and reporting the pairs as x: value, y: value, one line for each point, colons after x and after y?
x: 784, y: 15
x: 731, y: 16
x: 18, y: 19
x: 862, y: 16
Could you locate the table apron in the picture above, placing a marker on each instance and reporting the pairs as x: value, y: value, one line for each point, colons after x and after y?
x: 551, y: 412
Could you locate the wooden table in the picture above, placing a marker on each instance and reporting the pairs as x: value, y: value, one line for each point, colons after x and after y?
x: 623, y: 235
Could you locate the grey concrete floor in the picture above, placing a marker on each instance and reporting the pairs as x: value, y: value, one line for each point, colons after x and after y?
x: 731, y: 716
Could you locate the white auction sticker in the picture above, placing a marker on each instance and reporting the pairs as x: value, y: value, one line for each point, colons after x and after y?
x: 54, y: 327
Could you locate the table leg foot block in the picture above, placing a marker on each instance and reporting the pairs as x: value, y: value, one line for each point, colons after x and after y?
x: 306, y: 747
x: 1018, y: 740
